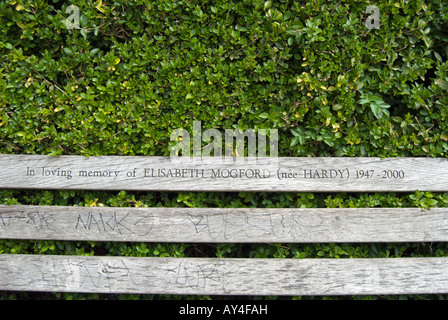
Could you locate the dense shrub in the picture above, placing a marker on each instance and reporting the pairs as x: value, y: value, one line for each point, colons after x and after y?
x: 133, y: 71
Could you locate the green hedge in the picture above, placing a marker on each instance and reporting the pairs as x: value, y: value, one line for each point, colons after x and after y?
x: 132, y: 72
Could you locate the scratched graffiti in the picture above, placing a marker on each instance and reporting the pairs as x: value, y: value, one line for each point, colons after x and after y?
x: 37, y: 220
x: 77, y: 274
x: 116, y: 222
x: 147, y: 225
x: 104, y: 274
x: 194, y: 275
x: 253, y: 225
x: 117, y: 274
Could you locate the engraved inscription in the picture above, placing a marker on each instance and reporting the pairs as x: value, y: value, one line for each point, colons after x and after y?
x: 253, y: 173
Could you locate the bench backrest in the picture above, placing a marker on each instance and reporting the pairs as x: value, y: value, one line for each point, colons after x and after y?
x: 219, y: 225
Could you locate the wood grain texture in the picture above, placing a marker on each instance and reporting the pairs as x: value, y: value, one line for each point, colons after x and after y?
x: 247, y: 225
x: 223, y: 174
x: 223, y: 276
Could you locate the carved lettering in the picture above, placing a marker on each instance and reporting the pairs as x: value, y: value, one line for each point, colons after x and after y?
x: 225, y: 172
x: 296, y: 225
x: 99, y: 173
x: 38, y: 220
x: 115, y: 223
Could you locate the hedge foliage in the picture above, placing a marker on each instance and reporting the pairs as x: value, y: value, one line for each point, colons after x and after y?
x: 132, y: 72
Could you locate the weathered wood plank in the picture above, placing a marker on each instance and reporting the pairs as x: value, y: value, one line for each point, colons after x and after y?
x: 223, y: 276
x: 223, y: 174
x: 249, y: 225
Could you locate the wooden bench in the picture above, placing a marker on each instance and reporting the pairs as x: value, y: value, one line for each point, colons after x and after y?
x: 216, y: 276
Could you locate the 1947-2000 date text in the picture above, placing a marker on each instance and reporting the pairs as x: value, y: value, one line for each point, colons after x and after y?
x: 385, y: 174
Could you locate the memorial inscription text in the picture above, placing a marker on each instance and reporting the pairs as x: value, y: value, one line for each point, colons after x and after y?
x: 218, y: 173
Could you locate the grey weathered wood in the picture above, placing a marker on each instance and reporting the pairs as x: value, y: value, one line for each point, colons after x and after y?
x: 235, y: 174
x: 249, y: 225
x: 223, y: 276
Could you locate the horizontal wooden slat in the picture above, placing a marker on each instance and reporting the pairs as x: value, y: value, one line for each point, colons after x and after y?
x: 223, y: 174
x: 223, y: 276
x: 224, y: 225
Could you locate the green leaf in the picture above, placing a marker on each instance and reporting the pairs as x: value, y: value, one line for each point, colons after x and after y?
x: 68, y: 51
x: 442, y: 84
x: 294, y: 141
x: 94, y: 51
x: 337, y: 107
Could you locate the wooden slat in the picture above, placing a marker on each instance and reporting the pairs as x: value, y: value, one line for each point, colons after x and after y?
x: 250, y: 225
x: 223, y: 276
x: 223, y: 174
